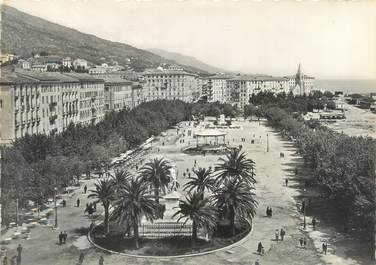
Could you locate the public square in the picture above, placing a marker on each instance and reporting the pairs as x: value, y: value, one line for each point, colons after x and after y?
x: 271, y: 171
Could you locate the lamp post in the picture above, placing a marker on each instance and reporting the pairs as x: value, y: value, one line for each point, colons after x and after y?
x: 55, y: 199
x: 304, y: 214
x: 267, y: 142
x: 17, y: 213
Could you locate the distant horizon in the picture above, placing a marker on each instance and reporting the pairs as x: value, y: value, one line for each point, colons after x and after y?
x: 331, y: 40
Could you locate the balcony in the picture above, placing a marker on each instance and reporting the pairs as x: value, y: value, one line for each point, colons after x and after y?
x: 53, y: 119
x: 53, y: 106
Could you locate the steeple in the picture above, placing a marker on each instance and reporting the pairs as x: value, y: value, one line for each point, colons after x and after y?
x: 299, y: 80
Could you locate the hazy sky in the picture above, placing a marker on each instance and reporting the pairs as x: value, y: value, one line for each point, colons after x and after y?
x: 330, y: 39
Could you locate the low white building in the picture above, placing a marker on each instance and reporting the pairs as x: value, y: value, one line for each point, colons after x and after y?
x: 80, y: 64
x: 67, y: 62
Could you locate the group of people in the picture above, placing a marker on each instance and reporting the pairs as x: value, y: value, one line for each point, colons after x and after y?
x: 280, y: 234
x: 63, y: 237
x: 269, y: 211
x: 302, y: 242
x: 90, y: 208
x: 15, y: 260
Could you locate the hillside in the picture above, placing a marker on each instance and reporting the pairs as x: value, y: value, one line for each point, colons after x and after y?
x: 186, y: 60
x: 23, y: 34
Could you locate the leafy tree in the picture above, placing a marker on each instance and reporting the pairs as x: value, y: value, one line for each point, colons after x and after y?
x: 203, y: 181
x: 133, y: 202
x: 197, y: 209
x: 157, y: 173
x: 120, y: 177
x: 235, y: 166
x: 235, y: 200
x: 104, y: 193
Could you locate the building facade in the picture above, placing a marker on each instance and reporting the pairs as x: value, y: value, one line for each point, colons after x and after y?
x: 241, y: 88
x: 91, y: 98
x: 217, y: 88
x: 117, y: 94
x: 171, y: 85
x: 32, y: 103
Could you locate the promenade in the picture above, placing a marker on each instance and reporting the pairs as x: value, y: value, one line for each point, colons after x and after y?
x: 271, y: 170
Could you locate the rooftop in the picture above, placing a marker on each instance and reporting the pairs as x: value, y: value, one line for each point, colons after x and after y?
x: 258, y: 78
x: 167, y: 72
x: 210, y: 132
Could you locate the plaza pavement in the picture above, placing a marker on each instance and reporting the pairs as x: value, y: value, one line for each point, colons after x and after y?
x: 42, y: 248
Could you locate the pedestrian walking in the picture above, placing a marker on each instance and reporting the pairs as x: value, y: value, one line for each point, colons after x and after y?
x: 304, y: 243
x: 257, y: 262
x: 65, y: 236
x: 267, y: 211
x: 314, y: 222
x: 259, y: 248
x: 78, y: 202
x: 5, y: 260
x: 60, y: 238
x: 85, y: 189
x: 101, y: 260
x: 81, y: 258
x: 19, y: 253
x: 301, y: 242
x: 270, y: 212
x: 324, y: 248
x: 286, y: 181
x: 276, y: 234
x: 282, y: 233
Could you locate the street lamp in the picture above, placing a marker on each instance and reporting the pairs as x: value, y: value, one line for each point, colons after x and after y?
x: 267, y: 142
x: 55, y: 199
x: 304, y: 216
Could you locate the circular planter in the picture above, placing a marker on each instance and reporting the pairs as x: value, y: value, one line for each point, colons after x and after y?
x: 237, y: 243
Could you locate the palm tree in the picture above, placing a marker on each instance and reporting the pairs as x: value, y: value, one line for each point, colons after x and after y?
x: 201, y: 182
x: 199, y: 211
x: 104, y: 193
x: 236, y: 166
x: 157, y: 173
x: 120, y: 177
x: 134, y: 201
x: 235, y: 199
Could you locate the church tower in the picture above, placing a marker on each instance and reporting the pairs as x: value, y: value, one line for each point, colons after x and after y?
x: 299, y: 83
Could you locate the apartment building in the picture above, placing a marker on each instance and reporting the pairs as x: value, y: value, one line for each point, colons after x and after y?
x: 32, y: 103
x: 137, y: 93
x: 216, y: 88
x: 91, y: 98
x: 170, y: 84
x: 242, y: 87
x: 118, y: 94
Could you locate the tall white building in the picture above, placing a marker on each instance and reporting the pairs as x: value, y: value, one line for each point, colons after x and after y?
x: 117, y: 94
x: 217, y: 88
x: 242, y: 87
x: 32, y: 102
x: 168, y: 84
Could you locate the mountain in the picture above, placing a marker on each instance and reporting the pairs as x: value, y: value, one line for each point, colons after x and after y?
x: 186, y: 60
x: 24, y: 35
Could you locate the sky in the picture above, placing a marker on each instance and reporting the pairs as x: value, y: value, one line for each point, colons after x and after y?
x: 330, y: 39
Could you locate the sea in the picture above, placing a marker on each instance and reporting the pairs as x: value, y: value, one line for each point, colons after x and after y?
x: 348, y: 86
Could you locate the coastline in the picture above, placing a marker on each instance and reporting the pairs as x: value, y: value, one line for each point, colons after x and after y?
x: 358, y: 122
